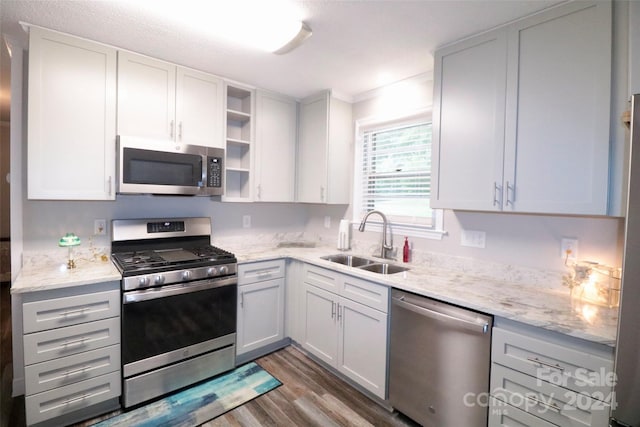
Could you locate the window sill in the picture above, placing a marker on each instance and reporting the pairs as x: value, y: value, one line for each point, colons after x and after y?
x: 404, y: 230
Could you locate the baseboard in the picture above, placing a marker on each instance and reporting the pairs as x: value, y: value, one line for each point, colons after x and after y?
x: 241, y: 359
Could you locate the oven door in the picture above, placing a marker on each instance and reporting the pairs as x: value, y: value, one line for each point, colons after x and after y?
x: 165, y: 325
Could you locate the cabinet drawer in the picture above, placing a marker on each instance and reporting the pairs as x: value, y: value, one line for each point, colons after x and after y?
x: 47, y: 345
x: 260, y: 271
x: 365, y: 292
x: 58, y: 312
x: 322, y: 278
x: 557, y: 405
x: 71, y: 369
x: 559, y: 364
x: 59, y: 401
x: 504, y: 415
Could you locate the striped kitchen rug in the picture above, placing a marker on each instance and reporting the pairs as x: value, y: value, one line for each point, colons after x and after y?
x: 201, y: 403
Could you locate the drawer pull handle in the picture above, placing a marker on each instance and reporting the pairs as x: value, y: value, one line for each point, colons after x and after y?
x: 79, y: 312
x: 76, y: 399
x: 537, y: 361
x: 77, y: 371
x: 74, y: 342
x: 551, y: 406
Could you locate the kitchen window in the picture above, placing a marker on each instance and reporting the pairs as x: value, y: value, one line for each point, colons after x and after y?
x: 393, y: 174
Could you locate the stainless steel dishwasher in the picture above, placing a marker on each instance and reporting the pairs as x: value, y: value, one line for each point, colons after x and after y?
x: 440, y: 360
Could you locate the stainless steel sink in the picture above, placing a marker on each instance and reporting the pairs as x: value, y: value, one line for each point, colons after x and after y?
x: 384, y: 268
x: 365, y: 264
x: 349, y: 260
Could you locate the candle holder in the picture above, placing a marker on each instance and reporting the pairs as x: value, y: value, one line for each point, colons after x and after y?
x: 69, y: 240
x: 596, y: 284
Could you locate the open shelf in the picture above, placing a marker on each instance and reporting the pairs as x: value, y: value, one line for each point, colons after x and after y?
x: 239, y: 140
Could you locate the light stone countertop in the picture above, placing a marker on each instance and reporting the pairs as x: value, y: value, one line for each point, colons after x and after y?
x: 548, y: 307
x: 52, y: 275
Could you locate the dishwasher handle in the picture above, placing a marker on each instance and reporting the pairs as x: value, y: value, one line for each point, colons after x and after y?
x: 475, y: 327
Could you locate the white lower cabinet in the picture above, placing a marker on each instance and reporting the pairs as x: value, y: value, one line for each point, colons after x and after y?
x: 71, y: 368
x: 260, y: 305
x: 541, y: 378
x: 348, y: 335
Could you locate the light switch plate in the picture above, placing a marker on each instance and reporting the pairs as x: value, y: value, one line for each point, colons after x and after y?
x: 473, y: 238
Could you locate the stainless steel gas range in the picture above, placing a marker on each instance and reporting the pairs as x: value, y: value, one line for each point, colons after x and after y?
x: 178, y: 305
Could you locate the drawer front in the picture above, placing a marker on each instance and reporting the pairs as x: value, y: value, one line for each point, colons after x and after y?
x: 260, y: 271
x: 503, y: 415
x: 322, y: 278
x: 47, y: 345
x: 554, y: 404
x: 560, y: 365
x: 59, y: 312
x: 60, y: 401
x: 71, y: 369
x: 365, y: 292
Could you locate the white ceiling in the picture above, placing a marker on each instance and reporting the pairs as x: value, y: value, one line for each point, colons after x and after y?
x: 353, y: 42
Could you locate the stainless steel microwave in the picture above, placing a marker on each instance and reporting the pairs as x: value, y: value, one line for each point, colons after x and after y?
x: 147, y: 166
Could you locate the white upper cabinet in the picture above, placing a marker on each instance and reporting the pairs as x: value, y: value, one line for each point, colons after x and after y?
x: 522, y: 115
x: 157, y: 99
x: 71, y: 118
x: 468, y: 122
x: 324, y: 150
x: 276, y: 136
x: 199, y: 108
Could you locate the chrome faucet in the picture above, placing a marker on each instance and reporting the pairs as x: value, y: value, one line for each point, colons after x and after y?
x: 386, y: 249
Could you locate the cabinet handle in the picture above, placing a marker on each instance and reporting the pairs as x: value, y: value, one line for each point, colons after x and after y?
x: 180, y: 131
x: 322, y: 194
x: 109, y: 186
x: 537, y: 361
x: 509, y: 200
x: 340, y: 308
x: 79, y: 312
x: 496, y: 192
x: 259, y: 190
x: 77, y: 371
x: 76, y: 399
x: 171, y: 129
x: 333, y: 310
x: 551, y: 406
x: 241, y: 299
x: 74, y: 342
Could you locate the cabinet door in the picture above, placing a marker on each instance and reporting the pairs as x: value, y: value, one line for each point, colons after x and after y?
x: 71, y: 118
x: 260, y: 314
x: 312, y: 149
x: 199, y: 108
x: 468, y: 123
x: 362, y: 346
x: 276, y: 134
x: 320, y: 328
x: 146, y: 97
x: 558, y: 110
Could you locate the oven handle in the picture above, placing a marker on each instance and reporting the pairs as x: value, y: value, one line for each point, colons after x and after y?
x: 171, y: 290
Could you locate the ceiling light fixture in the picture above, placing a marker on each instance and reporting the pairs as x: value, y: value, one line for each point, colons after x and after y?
x: 273, y: 26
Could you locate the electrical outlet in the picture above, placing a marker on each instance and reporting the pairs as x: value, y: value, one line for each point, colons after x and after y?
x: 99, y: 227
x: 327, y: 221
x: 571, y: 246
x: 473, y: 238
x: 246, y: 221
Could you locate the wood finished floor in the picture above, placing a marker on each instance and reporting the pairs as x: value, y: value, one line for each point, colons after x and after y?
x: 309, y: 395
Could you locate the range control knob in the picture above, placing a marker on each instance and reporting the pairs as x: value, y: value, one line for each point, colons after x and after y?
x: 223, y: 269
x: 143, y: 281
x: 186, y: 275
x: 159, y: 280
x: 212, y: 271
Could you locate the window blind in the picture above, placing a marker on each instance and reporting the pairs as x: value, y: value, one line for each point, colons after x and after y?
x: 396, y: 173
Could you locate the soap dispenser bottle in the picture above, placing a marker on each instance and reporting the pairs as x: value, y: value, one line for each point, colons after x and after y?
x: 405, y: 250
